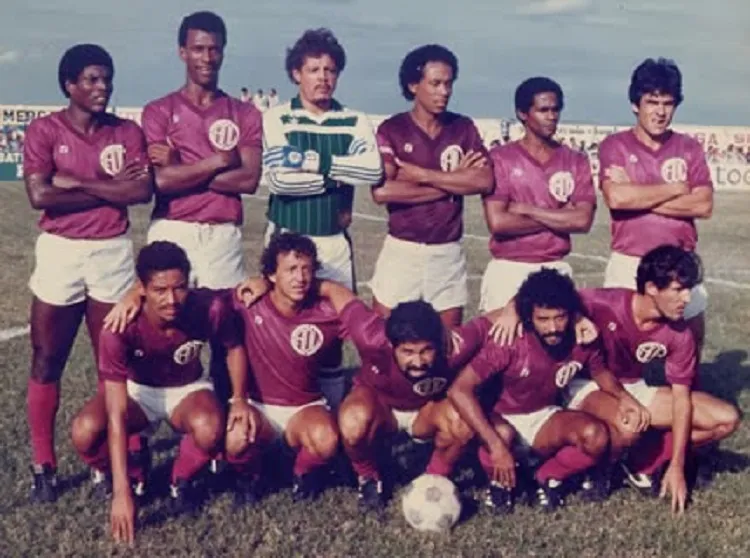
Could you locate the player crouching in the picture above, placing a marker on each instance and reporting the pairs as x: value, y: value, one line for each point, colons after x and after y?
x: 151, y: 371
x: 534, y: 369
x: 408, y: 361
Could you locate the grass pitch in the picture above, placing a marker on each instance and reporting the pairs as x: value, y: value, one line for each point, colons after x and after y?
x: 627, y: 525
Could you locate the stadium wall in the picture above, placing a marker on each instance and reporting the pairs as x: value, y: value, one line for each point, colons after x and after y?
x: 716, y: 141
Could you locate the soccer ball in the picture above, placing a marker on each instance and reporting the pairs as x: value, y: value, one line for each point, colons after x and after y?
x: 431, y: 503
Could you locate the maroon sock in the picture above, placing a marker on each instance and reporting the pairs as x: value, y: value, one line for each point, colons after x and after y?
x: 365, y: 467
x: 248, y: 463
x: 652, y: 452
x: 42, y: 402
x: 190, y: 459
x: 99, y: 458
x: 438, y: 465
x: 306, y: 462
x: 566, y: 462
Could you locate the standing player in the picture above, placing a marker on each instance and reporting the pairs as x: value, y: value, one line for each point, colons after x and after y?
x: 433, y: 158
x: 206, y: 150
x: 152, y: 372
x: 543, y: 193
x: 82, y: 168
x: 314, y: 152
x: 408, y: 362
x: 287, y: 333
x: 655, y: 182
x: 534, y: 369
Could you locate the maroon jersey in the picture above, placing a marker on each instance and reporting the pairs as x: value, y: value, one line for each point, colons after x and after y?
x: 680, y: 159
x: 628, y: 348
x: 435, y: 222
x: 531, y: 377
x: 145, y: 355
x: 53, y: 146
x: 380, y: 371
x: 197, y: 133
x: 284, y: 352
x: 565, y: 178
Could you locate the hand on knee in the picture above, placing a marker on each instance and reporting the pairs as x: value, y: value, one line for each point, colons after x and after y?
x: 236, y: 443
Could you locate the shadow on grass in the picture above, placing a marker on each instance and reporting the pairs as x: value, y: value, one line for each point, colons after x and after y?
x: 728, y: 375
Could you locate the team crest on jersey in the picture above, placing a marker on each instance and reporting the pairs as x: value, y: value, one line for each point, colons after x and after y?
x: 674, y: 170
x: 224, y: 134
x: 188, y: 352
x: 646, y: 352
x: 430, y: 386
x: 112, y: 158
x: 306, y: 339
x: 451, y: 157
x: 566, y: 372
x: 561, y: 186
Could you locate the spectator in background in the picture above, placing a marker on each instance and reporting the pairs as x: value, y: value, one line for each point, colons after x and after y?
x: 273, y: 98
x: 260, y: 100
x: 245, y: 95
x: 3, y: 142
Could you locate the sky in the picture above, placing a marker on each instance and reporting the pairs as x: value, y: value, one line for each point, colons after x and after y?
x: 589, y: 46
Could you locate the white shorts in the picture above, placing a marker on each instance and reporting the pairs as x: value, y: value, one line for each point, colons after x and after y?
x: 334, y: 254
x: 528, y: 425
x: 502, y: 279
x: 69, y: 270
x: 158, y: 403
x: 405, y: 421
x: 579, y: 388
x: 214, y: 251
x: 280, y: 415
x: 622, y: 270
x: 435, y: 273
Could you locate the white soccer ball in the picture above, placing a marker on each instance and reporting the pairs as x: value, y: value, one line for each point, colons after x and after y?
x: 431, y: 503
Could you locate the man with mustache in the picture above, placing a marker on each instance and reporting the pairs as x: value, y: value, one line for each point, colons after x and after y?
x: 152, y: 372
x: 535, y: 369
x: 288, y: 332
x: 315, y: 152
x: 408, y: 362
x: 656, y: 182
x: 83, y: 167
x: 543, y: 193
x: 433, y: 158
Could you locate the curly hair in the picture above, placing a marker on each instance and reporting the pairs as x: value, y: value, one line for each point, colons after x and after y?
x: 77, y: 58
x: 315, y: 43
x: 283, y: 244
x: 547, y: 288
x: 667, y: 263
x: 656, y: 76
x: 413, y: 65
x: 160, y: 255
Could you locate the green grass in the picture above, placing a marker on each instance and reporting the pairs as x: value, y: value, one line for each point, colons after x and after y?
x: 627, y: 525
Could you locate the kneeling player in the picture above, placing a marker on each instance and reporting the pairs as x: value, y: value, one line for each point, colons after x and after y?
x: 287, y: 331
x: 534, y: 369
x: 152, y: 372
x: 408, y: 361
x: 638, y: 327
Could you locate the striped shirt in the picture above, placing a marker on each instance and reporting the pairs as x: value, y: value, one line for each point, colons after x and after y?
x: 310, y: 202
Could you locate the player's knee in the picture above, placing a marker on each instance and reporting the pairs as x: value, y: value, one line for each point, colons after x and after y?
x: 46, y: 366
x: 206, y: 429
x: 236, y: 443
x: 594, y: 437
x: 355, y: 421
x: 323, y: 440
x: 728, y: 421
x: 86, y: 430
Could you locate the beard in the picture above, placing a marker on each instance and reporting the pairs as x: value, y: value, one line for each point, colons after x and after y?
x: 563, y: 348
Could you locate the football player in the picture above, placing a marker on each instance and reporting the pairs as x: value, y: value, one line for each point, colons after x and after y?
x: 543, y: 193
x: 656, y: 182
x: 152, y: 372
x: 83, y: 167
x: 433, y: 158
x: 535, y: 369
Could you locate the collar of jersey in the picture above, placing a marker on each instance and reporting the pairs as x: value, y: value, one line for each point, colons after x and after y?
x: 296, y: 104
